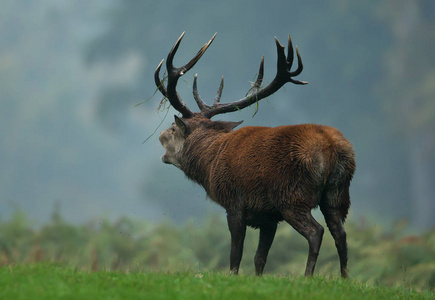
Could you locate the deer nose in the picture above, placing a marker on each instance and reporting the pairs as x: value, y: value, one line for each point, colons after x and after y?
x: 161, y: 137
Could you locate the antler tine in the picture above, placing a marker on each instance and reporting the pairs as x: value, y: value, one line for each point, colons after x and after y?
x: 201, y: 104
x: 290, y: 53
x: 170, y: 58
x: 282, y: 60
x: 158, y: 81
x: 260, y: 76
x: 217, y: 99
x: 198, y: 55
x: 257, y: 84
x: 300, y: 65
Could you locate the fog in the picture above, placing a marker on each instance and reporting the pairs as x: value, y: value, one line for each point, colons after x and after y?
x: 72, y: 73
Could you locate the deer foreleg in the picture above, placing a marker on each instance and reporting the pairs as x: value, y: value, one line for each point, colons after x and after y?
x: 237, y: 228
x: 267, y: 234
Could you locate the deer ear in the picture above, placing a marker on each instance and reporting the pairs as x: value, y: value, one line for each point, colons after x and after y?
x: 226, y: 125
x: 180, y: 124
x: 234, y: 124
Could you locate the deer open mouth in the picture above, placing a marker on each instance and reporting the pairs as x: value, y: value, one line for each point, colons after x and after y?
x: 165, y: 159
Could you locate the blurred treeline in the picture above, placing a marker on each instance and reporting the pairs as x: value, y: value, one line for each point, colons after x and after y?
x: 377, y: 255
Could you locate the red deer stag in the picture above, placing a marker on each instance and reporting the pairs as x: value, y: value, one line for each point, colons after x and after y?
x: 261, y: 175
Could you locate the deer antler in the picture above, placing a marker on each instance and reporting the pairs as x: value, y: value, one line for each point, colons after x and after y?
x: 283, y: 75
x: 174, y: 74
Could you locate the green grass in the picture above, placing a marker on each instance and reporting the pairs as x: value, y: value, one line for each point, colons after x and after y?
x: 46, y: 281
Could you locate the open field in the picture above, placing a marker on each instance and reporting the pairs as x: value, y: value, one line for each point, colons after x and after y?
x: 50, y: 281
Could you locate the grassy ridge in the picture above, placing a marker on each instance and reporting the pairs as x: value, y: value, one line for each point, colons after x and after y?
x: 48, y: 281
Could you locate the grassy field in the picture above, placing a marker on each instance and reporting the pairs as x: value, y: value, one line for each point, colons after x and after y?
x: 47, y: 281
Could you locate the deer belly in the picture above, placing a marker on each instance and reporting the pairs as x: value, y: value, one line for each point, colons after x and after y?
x: 258, y: 219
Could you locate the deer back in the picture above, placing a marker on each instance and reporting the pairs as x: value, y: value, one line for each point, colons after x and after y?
x: 262, y: 167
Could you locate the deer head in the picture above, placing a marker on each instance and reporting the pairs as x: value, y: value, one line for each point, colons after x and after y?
x: 173, y: 138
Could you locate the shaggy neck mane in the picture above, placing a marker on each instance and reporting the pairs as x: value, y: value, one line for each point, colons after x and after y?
x: 201, y: 149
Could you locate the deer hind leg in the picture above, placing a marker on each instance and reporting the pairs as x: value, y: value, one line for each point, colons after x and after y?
x: 237, y: 227
x: 267, y: 234
x: 335, y: 213
x: 302, y: 221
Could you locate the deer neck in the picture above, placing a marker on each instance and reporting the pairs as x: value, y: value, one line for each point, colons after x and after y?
x: 199, y: 155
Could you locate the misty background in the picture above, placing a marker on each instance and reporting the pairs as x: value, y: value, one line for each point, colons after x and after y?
x: 71, y: 73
